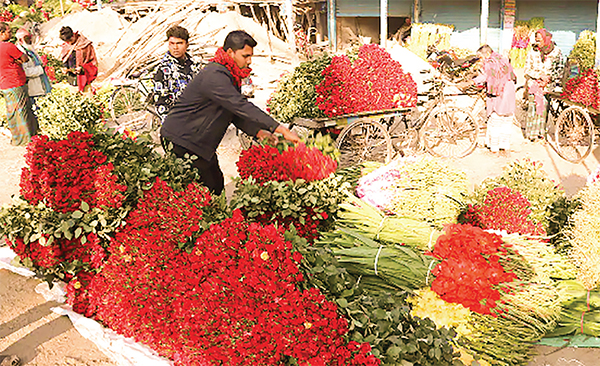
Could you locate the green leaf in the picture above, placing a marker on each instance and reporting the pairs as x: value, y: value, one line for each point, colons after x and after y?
x: 77, y: 214
x: 343, y: 303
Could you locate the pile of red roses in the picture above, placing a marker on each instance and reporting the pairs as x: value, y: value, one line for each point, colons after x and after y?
x: 583, y: 89
x: 63, y: 173
x: 504, y: 209
x: 266, y: 163
x: 469, y: 271
x: 293, y: 165
x: 373, y: 82
x: 232, y: 300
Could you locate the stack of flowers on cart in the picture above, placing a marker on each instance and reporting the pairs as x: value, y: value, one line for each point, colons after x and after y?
x: 289, y: 185
x: 583, y: 89
x: 295, y: 95
x: 374, y: 81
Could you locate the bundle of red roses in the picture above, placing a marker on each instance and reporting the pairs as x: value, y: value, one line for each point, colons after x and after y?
x: 295, y: 167
x: 373, y: 82
x: 504, y: 209
x: 470, y: 268
x: 583, y: 89
x: 66, y: 175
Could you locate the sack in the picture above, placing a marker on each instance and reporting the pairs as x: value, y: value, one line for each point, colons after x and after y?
x: 35, y: 87
x: 33, y: 71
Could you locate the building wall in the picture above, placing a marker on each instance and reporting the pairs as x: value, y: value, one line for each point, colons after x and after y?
x: 564, y: 18
x: 465, y: 16
x: 370, y: 8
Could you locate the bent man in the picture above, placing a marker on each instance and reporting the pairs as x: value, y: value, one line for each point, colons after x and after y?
x: 210, y: 103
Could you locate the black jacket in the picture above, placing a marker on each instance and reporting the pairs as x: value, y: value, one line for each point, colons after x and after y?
x: 208, y: 105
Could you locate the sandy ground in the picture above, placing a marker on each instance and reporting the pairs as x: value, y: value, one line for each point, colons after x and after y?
x: 30, y: 330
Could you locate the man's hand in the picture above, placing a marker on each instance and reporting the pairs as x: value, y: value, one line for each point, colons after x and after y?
x: 262, y: 135
x: 287, y: 134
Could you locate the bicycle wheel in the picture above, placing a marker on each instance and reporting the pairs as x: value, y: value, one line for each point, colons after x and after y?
x: 364, y: 140
x: 125, y: 105
x: 450, y: 132
x: 574, y: 134
x: 522, y: 106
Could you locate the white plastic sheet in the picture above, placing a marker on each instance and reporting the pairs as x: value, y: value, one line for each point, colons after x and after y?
x: 123, y: 351
x: 6, y: 257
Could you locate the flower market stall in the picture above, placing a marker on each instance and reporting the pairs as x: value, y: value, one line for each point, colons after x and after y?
x: 309, y: 263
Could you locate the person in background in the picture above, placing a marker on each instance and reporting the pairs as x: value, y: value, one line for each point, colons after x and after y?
x: 175, y: 71
x: 500, y: 78
x: 543, y: 69
x: 79, y: 58
x: 38, y: 83
x: 210, y: 103
x: 21, y: 120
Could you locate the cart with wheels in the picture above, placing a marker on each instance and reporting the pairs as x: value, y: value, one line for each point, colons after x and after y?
x: 570, y: 127
x: 442, y: 130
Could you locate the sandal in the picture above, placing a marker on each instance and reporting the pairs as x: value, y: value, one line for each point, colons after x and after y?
x: 11, y: 360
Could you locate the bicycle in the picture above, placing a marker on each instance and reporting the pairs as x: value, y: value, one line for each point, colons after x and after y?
x: 569, y: 126
x: 131, y: 104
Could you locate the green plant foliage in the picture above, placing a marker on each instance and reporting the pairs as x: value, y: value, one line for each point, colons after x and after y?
x: 381, y: 319
x: 528, y: 178
x: 287, y: 199
x: 559, y: 223
x: 137, y: 164
x: 296, y: 96
x: 584, y: 50
x: 57, y: 65
x: 62, y: 111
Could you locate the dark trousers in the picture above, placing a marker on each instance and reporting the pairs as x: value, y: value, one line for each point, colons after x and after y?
x: 210, y: 172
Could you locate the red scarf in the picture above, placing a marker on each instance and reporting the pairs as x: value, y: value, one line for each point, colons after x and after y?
x: 221, y: 57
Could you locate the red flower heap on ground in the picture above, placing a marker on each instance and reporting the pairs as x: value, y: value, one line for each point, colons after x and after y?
x: 373, y: 82
x: 232, y: 300
x: 504, y: 209
x: 470, y: 268
x: 583, y: 89
x: 63, y: 174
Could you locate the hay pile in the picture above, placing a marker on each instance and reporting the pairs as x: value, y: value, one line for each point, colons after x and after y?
x: 124, y: 47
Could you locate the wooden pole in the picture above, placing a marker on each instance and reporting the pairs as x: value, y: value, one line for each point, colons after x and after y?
x: 62, y: 9
x: 383, y: 19
x: 485, y: 15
